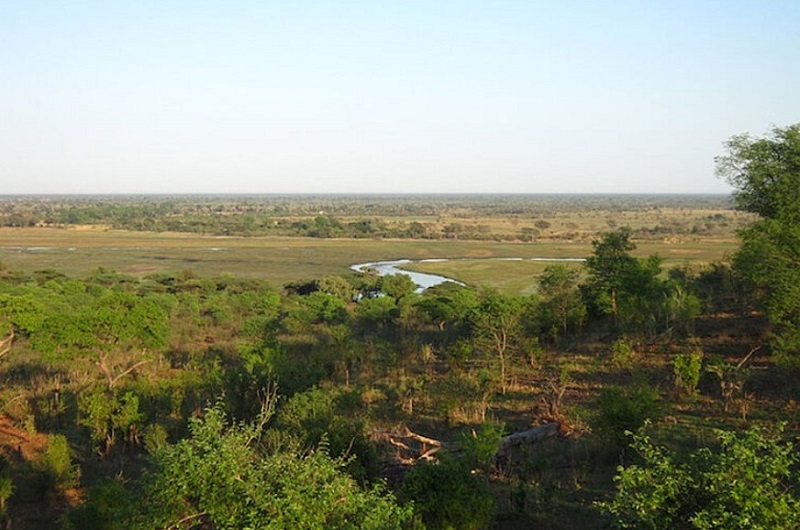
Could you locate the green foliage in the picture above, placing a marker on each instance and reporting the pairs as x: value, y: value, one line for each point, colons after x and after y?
x: 397, y: 285
x: 219, y: 477
x: 563, y: 307
x: 481, y: 446
x: 56, y: 463
x: 630, y: 290
x: 22, y: 313
x: 446, y: 305
x: 767, y: 259
x: 154, y: 437
x: 681, y: 307
x: 327, y: 308
x: 447, y: 496
x: 765, y: 173
x: 331, y: 415
x: 609, y: 266
x: 109, y: 415
x: 625, y: 409
x: 6, y: 486
x: 107, y: 506
x: 496, y: 327
x: 623, y: 355
x: 338, y: 287
x: 687, y: 369
x: 377, y: 311
x: 748, y: 483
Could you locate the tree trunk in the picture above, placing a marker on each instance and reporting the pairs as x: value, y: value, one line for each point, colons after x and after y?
x: 532, y: 435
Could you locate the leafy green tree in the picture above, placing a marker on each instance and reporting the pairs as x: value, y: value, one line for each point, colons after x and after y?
x: 116, y: 327
x: 447, y: 303
x: 609, y: 266
x: 221, y: 477
x: 327, y: 308
x: 334, y: 416
x: 109, y: 415
x: 337, y: 286
x: 397, y: 285
x: 765, y: 173
x: 644, y: 300
x: 19, y: 314
x: 687, y: 369
x: 750, y: 482
x: 627, y: 288
x: 496, y: 328
x: 562, y: 304
x: 378, y: 311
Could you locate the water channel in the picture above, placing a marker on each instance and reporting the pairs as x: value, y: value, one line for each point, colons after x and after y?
x: 424, y: 280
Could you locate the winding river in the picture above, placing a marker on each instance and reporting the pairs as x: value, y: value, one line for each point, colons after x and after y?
x: 425, y: 280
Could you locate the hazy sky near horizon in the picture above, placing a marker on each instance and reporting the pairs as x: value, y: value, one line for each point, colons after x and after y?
x: 386, y: 96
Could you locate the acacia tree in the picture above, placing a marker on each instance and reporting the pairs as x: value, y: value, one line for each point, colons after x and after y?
x: 496, y: 326
x: 765, y: 173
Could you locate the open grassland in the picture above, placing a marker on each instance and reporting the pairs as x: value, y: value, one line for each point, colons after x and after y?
x: 280, y: 260
x: 519, y: 276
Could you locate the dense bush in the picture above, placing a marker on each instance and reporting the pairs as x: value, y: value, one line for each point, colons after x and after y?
x: 750, y: 482
x: 448, y: 496
x: 688, y: 368
x: 625, y: 409
x: 220, y: 477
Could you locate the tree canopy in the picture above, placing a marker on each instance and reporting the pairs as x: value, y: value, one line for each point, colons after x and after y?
x: 765, y: 172
x: 766, y: 175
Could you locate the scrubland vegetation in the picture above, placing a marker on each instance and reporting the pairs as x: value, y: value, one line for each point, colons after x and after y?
x: 629, y: 391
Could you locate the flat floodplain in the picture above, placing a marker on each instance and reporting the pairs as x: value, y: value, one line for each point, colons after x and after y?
x: 77, y: 252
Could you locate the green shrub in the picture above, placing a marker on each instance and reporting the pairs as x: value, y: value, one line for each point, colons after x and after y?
x: 688, y: 369
x: 748, y: 483
x: 447, y: 495
x: 481, y: 446
x: 155, y: 436
x: 622, y: 410
x: 622, y: 354
x: 219, y: 478
x: 56, y: 464
x: 6, y: 486
x: 332, y: 415
x: 107, y: 506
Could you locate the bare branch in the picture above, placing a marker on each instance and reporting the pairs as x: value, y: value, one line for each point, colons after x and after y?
x: 746, y: 357
x: 119, y: 376
x: 5, y: 344
x: 177, y: 524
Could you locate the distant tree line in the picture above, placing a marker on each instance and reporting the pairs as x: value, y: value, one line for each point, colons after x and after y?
x: 523, y: 218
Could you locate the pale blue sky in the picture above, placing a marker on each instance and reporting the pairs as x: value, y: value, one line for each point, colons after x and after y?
x: 387, y: 96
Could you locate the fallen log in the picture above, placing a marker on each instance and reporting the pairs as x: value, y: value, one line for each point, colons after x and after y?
x: 530, y: 436
x: 409, y: 447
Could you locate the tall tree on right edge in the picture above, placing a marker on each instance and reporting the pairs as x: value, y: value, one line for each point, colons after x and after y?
x: 765, y: 173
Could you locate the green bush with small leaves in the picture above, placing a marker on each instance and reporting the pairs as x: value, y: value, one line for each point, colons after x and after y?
x: 446, y: 495
x: 688, y: 369
x: 625, y: 409
x: 749, y: 482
